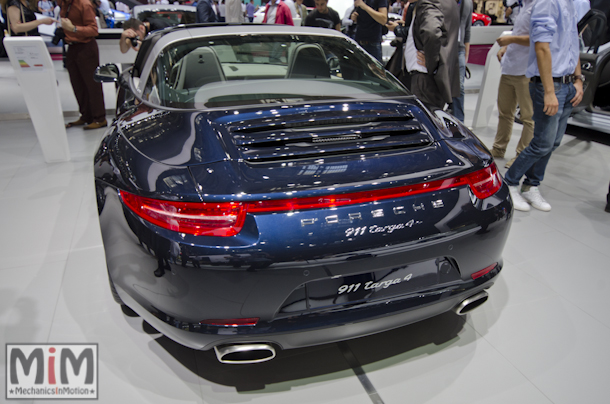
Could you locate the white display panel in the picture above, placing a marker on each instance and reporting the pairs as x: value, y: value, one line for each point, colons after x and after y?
x: 36, y: 77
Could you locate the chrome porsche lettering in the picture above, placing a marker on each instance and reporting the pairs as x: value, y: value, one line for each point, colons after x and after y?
x: 377, y: 213
x: 355, y: 216
x: 419, y: 207
x: 399, y: 210
x: 438, y: 204
x: 332, y: 219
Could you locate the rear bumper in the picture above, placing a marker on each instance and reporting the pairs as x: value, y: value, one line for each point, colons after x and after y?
x: 174, y: 285
x: 331, y: 327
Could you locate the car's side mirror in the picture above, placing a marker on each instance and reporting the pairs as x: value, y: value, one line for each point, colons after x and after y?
x: 108, y: 73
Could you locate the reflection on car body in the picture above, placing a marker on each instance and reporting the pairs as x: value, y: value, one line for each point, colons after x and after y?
x: 281, y: 190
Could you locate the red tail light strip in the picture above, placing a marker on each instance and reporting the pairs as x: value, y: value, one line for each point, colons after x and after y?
x: 484, y: 183
x: 226, y: 219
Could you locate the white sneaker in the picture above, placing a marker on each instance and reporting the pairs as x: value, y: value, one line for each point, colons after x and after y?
x: 535, y: 199
x: 518, y: 202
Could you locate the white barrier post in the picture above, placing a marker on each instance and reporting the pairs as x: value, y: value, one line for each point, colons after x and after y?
x: 36, y: 77
x: 488, y: 95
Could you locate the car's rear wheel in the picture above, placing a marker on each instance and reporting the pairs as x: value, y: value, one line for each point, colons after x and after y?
x: 115, y: 295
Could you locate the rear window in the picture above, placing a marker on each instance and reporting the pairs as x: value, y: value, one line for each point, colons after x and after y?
x: 265, y: 69
x: 175, y: 17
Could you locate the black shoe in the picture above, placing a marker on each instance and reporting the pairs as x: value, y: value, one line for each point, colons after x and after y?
x: 607, y: 207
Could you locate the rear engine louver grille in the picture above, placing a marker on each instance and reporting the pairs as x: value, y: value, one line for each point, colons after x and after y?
x: 279, y: 140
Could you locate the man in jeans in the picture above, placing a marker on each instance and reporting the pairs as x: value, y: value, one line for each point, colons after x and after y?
x: 514, y: 86
x: 556, y: 86
x: 464, y: 50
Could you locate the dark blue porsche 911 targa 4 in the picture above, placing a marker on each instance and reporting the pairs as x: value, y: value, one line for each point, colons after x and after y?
x: 272, y: 187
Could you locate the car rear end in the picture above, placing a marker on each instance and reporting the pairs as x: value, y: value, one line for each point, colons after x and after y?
x: 289, y: 215
x: 373, y: 224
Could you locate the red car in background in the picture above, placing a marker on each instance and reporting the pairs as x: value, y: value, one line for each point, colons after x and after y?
x: 480, y: 20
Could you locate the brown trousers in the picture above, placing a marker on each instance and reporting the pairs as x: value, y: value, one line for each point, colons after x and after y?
x: 514, y: 90
x: 81, y: 61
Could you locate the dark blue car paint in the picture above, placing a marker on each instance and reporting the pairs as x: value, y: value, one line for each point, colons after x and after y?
x: 183, y: 279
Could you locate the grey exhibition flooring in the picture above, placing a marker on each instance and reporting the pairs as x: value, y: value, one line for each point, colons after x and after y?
x: 541, y: 338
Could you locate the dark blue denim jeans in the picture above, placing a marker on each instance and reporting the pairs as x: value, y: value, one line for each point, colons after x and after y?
x: 373, y: 48
x: 548, y: 132
x: 458, y: 102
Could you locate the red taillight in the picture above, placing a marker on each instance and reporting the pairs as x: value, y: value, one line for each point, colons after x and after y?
x: 231, y: 322
x: 484, y: 271
x: 333, y: 201
x: 484, y: 183
x: 223, y: 219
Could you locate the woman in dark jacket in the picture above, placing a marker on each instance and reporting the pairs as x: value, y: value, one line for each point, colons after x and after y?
x: 21, y: 18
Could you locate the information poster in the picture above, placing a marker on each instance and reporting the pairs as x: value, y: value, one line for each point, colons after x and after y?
x: 29, y: 58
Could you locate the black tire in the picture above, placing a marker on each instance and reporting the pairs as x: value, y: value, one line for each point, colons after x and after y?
x: 478, y: 24
x: 115, y: 295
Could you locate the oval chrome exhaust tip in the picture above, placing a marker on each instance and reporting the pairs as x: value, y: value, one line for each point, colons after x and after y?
x: 471, y: 303
x: 243, y: 354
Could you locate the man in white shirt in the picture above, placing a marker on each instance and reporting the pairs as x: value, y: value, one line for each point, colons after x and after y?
x: 277, y: 12
x: 556, y: 87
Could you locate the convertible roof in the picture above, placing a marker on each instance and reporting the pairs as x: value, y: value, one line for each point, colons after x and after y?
x: 159, y: 39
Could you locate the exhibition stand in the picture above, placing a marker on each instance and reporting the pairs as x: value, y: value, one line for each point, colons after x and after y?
x: 36, y: 77
x: 488, y: 94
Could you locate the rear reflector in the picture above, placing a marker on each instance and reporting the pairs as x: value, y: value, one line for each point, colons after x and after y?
x: 226, y: 219
x: 232, y: 322
x: 484, y: 271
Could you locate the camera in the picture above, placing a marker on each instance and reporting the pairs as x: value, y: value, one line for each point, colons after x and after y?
x: 58, y: 36
x: 134, y: 41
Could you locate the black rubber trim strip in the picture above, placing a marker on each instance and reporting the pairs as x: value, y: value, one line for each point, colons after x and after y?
x: 360, y: 373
